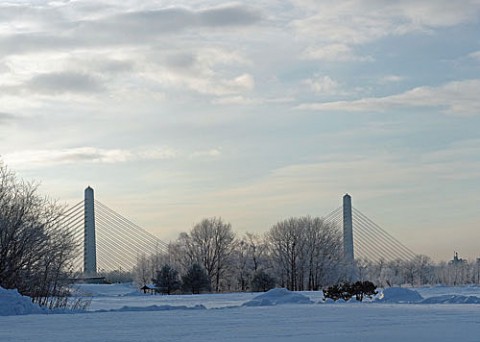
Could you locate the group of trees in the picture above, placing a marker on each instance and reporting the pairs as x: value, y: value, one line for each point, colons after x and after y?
x: 194, y: 281
x: 35, y: 250
x: 421, y: 270
x: 302, y: 253
x: 298, y: 253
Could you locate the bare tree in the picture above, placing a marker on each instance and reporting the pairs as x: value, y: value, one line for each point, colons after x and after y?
x: 142, y: 273
x: 286, y: 242
x: 306, y: 252
x: 210, y: 243
x: 323, y: 252
x: 35, y: 249
x: 249, y: 256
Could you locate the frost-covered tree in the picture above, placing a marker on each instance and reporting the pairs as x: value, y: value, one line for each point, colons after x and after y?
x: 142, y: 271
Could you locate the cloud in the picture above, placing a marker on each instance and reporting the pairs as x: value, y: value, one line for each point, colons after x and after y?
x: 21, y: 42
x: 28, y: 17
x: 391, y: 79
x: 455, y: 98
x: 29, y: 158
x: 144, y: 25
x: 475, y: 55
x: 323, y: 85
x: 73, y: 26
x: 6, y: 118
x: 332, y: 28
x: 334, y: 53
x: 212, y: 153
x: 244, y: 82
x: 206, y: 70
x: 104, y: 65
x: 232, y: 15
x: 64, y: 82
x: 235, y: 100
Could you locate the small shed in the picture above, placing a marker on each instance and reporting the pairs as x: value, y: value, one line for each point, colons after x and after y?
x: 146, y: 289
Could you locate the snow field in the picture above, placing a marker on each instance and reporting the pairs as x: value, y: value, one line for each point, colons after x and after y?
x: 278, y: 315
x: 294, y: 322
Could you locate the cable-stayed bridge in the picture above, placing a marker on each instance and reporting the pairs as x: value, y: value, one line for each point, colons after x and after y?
x: 107, y: 241
x: 370, y: 241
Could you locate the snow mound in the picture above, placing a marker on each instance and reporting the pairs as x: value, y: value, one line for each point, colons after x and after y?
x: 277, y: 297
x: 13, y: 303
x: 155, y: 308
x: 452, y: 299
x: 399, y: 295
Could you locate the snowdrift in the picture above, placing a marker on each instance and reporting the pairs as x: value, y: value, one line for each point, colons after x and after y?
x: 399, y: 295
x: 277, y: 297
x: 13, y: 303
x: 155, y: 308
x: 452, y: 299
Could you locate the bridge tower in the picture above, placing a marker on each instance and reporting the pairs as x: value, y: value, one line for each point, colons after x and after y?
x: 89, y: 243
x: 348, y: 237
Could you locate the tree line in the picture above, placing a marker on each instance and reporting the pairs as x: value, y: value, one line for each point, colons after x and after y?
x: 419, y: 271
x: 300, y: 253
x: 303, y: 253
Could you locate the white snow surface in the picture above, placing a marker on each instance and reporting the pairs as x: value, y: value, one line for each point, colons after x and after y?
x: 121, y: 313
x: 278, y: 296
x: 13, y: 303
x: 399, y: 295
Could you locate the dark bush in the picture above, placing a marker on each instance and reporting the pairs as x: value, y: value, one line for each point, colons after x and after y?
x: 345, y: 291
x: 167, y: 280
x: 262, y: 281
x: 196, y: 280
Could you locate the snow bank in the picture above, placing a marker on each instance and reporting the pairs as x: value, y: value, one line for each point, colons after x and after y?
x: 399, y: 295
x: 155, y: 308
x: 452, y: 299
x: 13, y: 303
x: 278, y: 296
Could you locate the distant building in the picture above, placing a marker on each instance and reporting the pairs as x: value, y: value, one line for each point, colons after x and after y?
x: 456, y: 260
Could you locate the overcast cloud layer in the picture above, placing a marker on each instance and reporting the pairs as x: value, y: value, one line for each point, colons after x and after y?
x: 254, y: 111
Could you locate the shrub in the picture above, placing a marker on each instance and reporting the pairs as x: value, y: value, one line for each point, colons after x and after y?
x: 196, y: 280
x: 346, y: 291
x: 262, y: 281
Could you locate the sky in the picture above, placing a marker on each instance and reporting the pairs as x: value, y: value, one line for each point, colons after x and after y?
x: 253, y: 111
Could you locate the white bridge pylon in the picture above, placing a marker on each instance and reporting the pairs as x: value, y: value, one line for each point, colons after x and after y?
x: 106, y: 240
x: 364, y: 239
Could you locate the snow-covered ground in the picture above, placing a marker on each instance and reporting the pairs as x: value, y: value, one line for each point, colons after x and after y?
x: 127, y: 315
